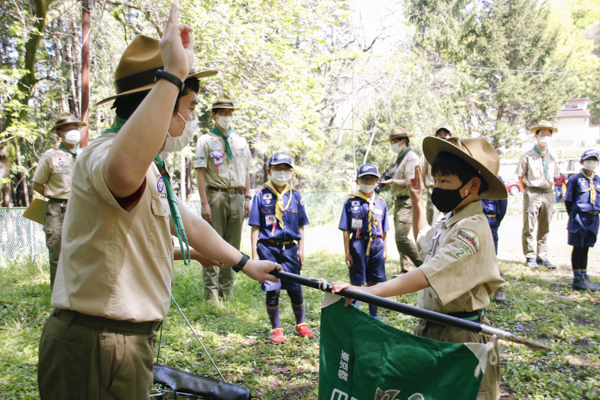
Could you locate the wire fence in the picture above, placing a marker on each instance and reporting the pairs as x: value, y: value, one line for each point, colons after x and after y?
x: 23, y: 238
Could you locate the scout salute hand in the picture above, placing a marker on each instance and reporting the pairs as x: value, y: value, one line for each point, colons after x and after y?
x: 176, y: 46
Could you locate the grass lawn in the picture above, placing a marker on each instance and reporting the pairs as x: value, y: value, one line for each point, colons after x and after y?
x: 541, y: 306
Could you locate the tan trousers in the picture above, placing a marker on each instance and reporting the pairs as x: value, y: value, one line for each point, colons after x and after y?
x: 490, y: 385
x: 78, y: 361
x: 409, y: 257
x: 53, y: 222
x: 227, y: 219
x: 538, y: 208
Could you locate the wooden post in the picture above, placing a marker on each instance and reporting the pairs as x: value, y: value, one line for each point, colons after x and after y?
x: 86, y: 6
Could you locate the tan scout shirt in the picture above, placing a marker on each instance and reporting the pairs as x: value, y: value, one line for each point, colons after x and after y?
x: 531, y: 168
x: 114, y: 263
x: 55, y: 170
x: 426, y: 171
x: 211, y: 154
x: 459, y: 262
x: 405, y: 170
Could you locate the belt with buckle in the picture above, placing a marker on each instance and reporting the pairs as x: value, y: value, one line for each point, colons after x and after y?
x: 237, y: 190
x: 281, y: 242
x: 593, y: 212
x: 101, y: 322
x: 353, y: 236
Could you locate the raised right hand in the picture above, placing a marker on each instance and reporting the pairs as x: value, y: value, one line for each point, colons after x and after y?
x: 176, y: 46
x: 416, y: 185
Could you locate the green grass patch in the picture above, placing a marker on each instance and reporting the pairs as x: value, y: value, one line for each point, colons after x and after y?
x: 541, y: 306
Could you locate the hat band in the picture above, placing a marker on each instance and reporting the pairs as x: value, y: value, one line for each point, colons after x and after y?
x: 216, y: 105
x: 66, y: 121
x: 136, y: 80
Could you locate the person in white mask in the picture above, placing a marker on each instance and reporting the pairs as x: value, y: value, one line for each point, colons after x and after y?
x: 402, y: 172
x: 536, y: 170
x: 278, y: 219
x: 223, y: 160
x: 52, y: 179
x: 364, y: 223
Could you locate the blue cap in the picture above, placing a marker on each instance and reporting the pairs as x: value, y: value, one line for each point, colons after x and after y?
x: 590, y: 153
x: 367, y: 169
x: 280, y: 158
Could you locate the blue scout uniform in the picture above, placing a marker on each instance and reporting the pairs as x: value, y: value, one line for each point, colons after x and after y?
x: 583, y: 192
x: 494, y: 210
x: 366, y: 242
x: 277, y: 243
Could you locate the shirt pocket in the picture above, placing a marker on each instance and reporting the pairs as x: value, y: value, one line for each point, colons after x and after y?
x: 158, y: 245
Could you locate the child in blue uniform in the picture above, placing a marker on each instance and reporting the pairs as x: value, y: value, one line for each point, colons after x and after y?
x: 495, y: 210
x: 583, y: 205
x: 364, y: 223
x: 278, y: 219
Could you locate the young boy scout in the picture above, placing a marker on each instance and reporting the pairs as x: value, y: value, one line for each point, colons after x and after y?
x: 495, y: 210
x: 460, y: 270
x: 52, y: 179
x: 403, y: 171
x: 278, y: 219
x: 365, y: 224
x: 115, y: 274
x: 536, y: 170
x: 222, y: 165
x: 583, y: 205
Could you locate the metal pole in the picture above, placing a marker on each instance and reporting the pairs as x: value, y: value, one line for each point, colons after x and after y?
x: 422, y: 313
x: 85, y: 71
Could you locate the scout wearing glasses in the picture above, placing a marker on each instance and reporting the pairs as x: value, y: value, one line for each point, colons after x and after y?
x: 115, y: 273
x: 583, y: 205
x: 460, y: 270
x: 364, y: 222
x: 52, y: 179
x: 278, y: 219
x: 222, y: 165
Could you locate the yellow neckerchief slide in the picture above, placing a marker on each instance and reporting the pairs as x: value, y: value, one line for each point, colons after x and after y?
x: 592, y: 187
x: 279, y: 209
x: 371, y: 217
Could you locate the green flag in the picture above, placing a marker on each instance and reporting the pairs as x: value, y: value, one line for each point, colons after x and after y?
x: 362, y: 358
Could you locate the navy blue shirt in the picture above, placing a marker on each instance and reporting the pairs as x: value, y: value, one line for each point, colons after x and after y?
x: 578, y: 193
x: 355, y: 217
x: 263, y: 215
x: 495, y: 210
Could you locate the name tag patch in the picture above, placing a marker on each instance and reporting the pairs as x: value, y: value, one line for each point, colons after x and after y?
x: 357, y: 223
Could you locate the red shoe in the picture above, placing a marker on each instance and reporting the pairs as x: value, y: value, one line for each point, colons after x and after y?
x: 304, y: 330
x: 277, y: 336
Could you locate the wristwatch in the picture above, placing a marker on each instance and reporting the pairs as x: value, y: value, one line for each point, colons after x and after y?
x: 238, y: 267
x: 160, y: 74
x: 249, y: 197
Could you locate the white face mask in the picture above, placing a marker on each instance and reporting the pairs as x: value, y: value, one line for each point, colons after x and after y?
x: 73, y: 136
x: 281, y: 177
x: 225, y: 122
x: 180, y: 142
x: 397, y: 147
x: 544, y: 141
x: 590, y: 165
x: 366, y: 188
x: 164, y: 155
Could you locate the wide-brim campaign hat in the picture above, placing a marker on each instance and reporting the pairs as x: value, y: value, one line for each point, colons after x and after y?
x: 478, y: 153
x: 443, y: 126
x: 280, y: 158
x: 543, y: 125
x: 397, y: 132
x: 367, y: 169
x: 138, y: 66
x: 66, y: 119
x: 223, y: 101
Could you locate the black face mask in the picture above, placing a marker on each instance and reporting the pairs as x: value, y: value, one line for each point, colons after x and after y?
x: 447, y: 200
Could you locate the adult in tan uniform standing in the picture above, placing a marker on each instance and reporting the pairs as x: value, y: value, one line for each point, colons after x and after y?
x: 222, y: 162
x: 52, y: 179
x: 443, y: 131
x: 536, y: 170
x: 402, y: 172
x: 115, y: 274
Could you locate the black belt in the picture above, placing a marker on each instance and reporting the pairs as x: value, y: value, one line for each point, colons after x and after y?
x: 237, y: 190
x: 468, y: 315
x: 279, y: 242
x: 353, y: 236
x: 101, y: 322
x: 55, y: 200
x: 401, y: 198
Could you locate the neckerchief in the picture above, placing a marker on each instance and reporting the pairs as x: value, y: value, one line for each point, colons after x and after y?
x: 399, y: 160
x: 543, y: 155
x: 65, y: 148
x: 225, y: 137
x: 173, y: 206
x: 279, y: 209
x: 592, y: 187
x: 370, y: 218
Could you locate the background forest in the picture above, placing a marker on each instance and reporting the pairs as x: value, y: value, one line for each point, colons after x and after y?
x: 324, y: 80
